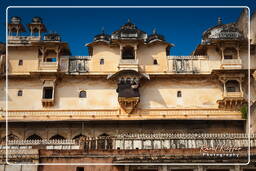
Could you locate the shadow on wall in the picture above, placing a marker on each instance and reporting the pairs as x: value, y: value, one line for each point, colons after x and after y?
x: 149, y: 94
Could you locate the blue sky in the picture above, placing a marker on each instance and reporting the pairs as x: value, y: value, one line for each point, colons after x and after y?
x: 182, y: 27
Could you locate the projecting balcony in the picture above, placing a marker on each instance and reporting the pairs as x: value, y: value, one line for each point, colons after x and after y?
x: 233, y: 94
x: 48, y: 66
x: 128, y: 64
x: 231, y: 64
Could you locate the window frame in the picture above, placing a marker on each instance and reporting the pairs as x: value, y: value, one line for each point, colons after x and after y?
x: 44, y: 92
x: 20, y: 93
x: 20, y: 63
x: 82, y: 91
x: 102, y: 61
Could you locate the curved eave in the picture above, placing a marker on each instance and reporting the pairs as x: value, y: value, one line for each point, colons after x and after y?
x: 161, y: 41
x: 123, y: 72
x: 97, y: 42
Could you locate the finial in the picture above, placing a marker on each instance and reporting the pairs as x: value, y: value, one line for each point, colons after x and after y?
x: 219, y: 21
x: 129, y: 20
x: 154, y: 31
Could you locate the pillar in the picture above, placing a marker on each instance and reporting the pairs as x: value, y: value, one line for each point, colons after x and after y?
x: 238, y: 52
x: 222, y: 53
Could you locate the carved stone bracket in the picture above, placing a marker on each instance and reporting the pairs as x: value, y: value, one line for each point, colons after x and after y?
x: 231, y: 103
x: 128, y: 104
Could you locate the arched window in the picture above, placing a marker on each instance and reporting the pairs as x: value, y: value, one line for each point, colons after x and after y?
x: 20, y: 92
x: 77, y: 137
x: 179, y: 94
x: 232, y: 86
x: 82, y: 94
x: 128, y: 53
x: 10, y: 137
x: 101, y: 61
x: 104, y: 142
x: 230, y: 53
x: 34, y: 137
x: 57, y: 137
x: 155, y: 62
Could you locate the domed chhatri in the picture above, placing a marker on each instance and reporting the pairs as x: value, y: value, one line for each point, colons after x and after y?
x: 155, y: 37
x: 102, y: 37
x: 129, y: 31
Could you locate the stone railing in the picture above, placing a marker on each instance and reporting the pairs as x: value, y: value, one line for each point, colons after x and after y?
x: 141, y: 141
x: 231, y: 64
x: 168, y: 141
x: 233, y: 94
x: 41, y: 144
x: 187, y: 64
x: 78, y: 64
x: 23, y: 39
x: 128, y: 64
x: 48, y: 66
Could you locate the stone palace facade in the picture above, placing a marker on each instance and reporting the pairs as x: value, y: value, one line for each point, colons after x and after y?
x: 129, y: 101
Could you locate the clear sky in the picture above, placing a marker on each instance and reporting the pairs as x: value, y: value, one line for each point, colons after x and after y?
x: 182, y: 27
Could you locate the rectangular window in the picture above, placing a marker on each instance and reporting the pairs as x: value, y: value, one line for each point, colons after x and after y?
x: 20, y: 62
x: 47, y: 92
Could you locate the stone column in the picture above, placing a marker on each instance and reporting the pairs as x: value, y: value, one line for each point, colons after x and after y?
x: 222, y: 53
x: 238, y: 52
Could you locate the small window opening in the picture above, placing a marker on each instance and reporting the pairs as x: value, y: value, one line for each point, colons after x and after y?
x: 179, y: 94
x: 230, y: 53
x: 57, y: 137
x: 20, y: 62
x: 155, y: 62
x: 232, y: 86
x: 128, y: 53
x: 101, y: 61
x: 47, y: 94
x: 168, y: 51
x: 34, y: 137
x: 82, y: 94
x: 79, y: 169
x: 20, y: 92
x: 50, y: 59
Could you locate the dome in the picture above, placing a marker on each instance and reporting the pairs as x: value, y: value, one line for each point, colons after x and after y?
x: 15, y: 20
x: 155, y: 36
x: 102, y: 37
x: 37, y: 20
x: 129, y: 31
x: 222, y: 32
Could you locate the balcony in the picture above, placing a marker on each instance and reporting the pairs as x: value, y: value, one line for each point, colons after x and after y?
x: 231, y: 64
x: 47, y: 102
x: 48, y: 66
x: 23, y: 39
x: 233, y: 94
x: 128, y: 64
